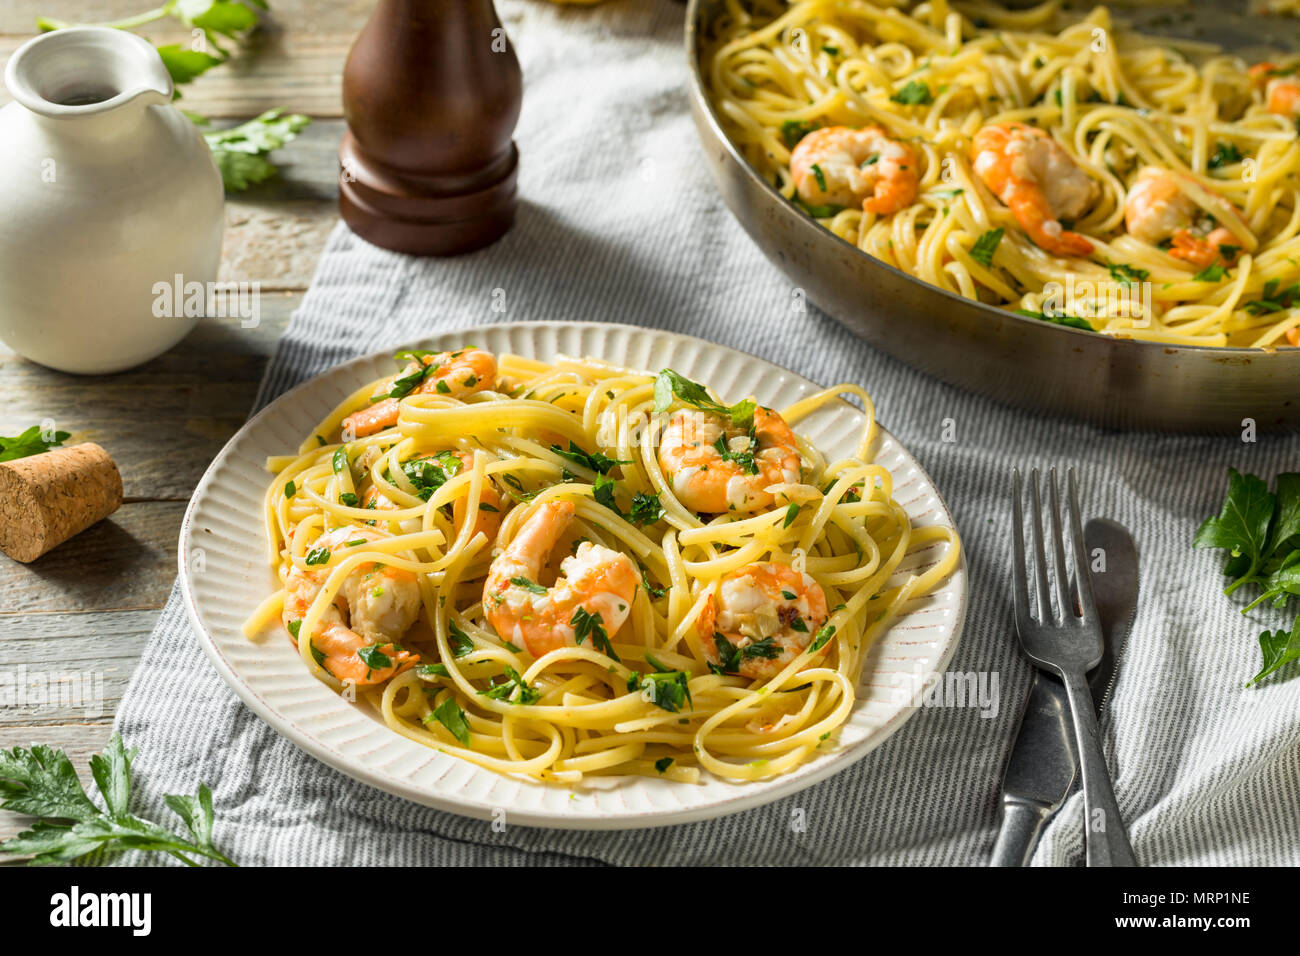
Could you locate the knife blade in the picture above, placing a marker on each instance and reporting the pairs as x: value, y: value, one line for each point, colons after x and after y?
x: 1044, y: 765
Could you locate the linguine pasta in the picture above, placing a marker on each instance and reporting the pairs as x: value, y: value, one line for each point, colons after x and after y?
x: 648, y: 698
x: 933, y: 74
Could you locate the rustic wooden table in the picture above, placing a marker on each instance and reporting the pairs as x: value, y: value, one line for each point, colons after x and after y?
x: 87, y: 607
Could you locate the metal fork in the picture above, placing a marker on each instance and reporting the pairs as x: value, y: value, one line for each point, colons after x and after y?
x: 1069, y: 644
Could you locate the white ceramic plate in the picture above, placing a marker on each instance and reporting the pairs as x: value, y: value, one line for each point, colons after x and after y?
x: 226, y: 508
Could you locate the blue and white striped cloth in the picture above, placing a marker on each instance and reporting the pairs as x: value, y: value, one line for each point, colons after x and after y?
x: 620, y: 222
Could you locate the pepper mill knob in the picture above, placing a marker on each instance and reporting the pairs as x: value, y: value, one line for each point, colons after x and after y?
x: 431, y: 94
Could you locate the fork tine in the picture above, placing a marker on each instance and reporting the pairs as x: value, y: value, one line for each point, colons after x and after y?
x: 1082, y: 579
x: 1020, y: 582
x: 1058, y: 546
x: 1040, y: 553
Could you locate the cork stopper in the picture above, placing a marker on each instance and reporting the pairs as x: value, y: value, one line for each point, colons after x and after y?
x: 45, y: 499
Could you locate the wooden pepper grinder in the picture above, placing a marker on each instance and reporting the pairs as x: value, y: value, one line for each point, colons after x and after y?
x: 431, y: 93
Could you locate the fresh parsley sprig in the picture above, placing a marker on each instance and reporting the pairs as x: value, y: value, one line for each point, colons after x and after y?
x: 1260, y: 530
x: 70, y: 827
x: 239, y: 152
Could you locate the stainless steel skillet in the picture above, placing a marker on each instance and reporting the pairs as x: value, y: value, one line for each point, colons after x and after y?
x: 1018, y: 360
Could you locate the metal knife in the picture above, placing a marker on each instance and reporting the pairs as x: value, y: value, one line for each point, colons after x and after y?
x: 1043, y: 767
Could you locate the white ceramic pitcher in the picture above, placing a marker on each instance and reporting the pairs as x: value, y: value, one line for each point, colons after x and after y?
x: 107, y: 194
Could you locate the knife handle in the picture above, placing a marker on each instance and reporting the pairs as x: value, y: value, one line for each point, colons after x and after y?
x: 1021, y: 824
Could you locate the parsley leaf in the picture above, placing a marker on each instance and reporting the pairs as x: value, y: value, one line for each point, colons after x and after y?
x: 1225, y: 154
x: 461, y: 643
x: 597, y: 462
x: 670, y: 385
x: 913, y: 93
x: 530, y: 586
x: 506, y: 689
x: 1241, y: 527
x: 1073, y: 321
x: 1278, y: 648
x: 794, y: 130
x: 240, y: 151
x: 30, y: 442
x: 452, y: 717
x: 1125, y: 274
x: 1211, y: 273
x: 646, y: 509
x: 591, y: 625
x: 986, y: 245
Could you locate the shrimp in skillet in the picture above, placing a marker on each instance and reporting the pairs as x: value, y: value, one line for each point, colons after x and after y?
x: 1159, y: 207
x: 841, y: 166
x: 594, y: 580
x: 1281, y: 89
x: 376, y: 605
x: 761, y: 618
x: 1039, y: 182
x: 455, y: 374
x: 716, y: 467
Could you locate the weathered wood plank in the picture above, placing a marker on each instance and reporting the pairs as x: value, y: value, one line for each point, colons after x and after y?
x: 164, y: 421
x: 125, y: 562
x: 62, y: 668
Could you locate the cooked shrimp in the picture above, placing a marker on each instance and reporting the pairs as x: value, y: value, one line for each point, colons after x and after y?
x: 376, y: 605
x: 1039, y: 182
x: 1158, y: 207
x: 595, y: 580
x: 1281, y: 90
x: 765, y: 615
x: 709, y: 480
x: 838, y: 165
x: 456, y: 374
x: 488, y: 519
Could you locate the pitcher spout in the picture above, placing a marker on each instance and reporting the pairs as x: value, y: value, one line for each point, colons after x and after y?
x: 84, y: 71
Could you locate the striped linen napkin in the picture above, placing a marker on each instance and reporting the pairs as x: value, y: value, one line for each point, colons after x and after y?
x: 620, y: 222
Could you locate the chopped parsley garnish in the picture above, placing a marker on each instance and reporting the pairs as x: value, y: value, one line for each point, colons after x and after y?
x: 1073, y: 321
x: 913, y: 93
x: 339, y: 461
x: 985, y: 246
x: 767, y: 648
x: 794, y: 130
x: 430, y: 474
x: 652, y: 591
x: 294, y: 628
x: 670, y: 385
x: 1271, y: 300
x: 506, y: 689
x: 452, y: 717
x: 317, y: 556
x: 527, y: 585
x: 1125, y: 274
x: 1212, y: 273
x: 666, y: 689
x: 822, y: 636
x: 603, y: 492
x: 646, y: 509
x: 431, y: 671
x: 374, y: 658
x: 461, y: 643
x: 591, y: 625
x: 791, y: 513
x: 819, y: 176
x: 349, y: 499
x: 728, y: 655
x: 290, y: 489
x: 597, y: 462
x: 1225, y: 154
x: 818, y: 212
x: 663, y: 763
x: 745, y: 459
